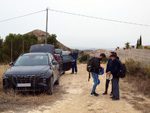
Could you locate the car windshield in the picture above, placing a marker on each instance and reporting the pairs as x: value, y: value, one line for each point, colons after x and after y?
x: 32, y: 60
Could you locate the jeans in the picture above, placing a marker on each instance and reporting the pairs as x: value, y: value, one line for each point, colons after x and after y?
x: 116, y: 88
x: 74, y: 67
x: 95, y: 78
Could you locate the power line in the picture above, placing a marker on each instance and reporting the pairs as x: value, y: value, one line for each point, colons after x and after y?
x: 22, y: 16
x: 105, y: 19
x: 76, y: 14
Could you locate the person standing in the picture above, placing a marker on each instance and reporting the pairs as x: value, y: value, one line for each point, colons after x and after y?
x: 95, y: 71
x: 109, y: 77
x: 114, y: 69
x: 74, y: 66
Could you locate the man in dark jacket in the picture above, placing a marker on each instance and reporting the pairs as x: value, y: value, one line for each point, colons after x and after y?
x: 95, y: 71
x: 114, y: 69
x: 109, y: 77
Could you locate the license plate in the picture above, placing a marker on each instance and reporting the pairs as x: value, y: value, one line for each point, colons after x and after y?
x: 23, y: 85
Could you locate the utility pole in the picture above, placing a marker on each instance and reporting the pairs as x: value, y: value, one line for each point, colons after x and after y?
x: 11, y: 50
x: 46, y: 25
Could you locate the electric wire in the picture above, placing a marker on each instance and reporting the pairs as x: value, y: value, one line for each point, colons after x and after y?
x: 22, y: 16
x: 76, y: 14
x: 105, y: 19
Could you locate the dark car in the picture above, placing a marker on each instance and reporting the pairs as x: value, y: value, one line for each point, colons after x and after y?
x: 32, y: 72
x: 47, y: 48
x: 63, y: 58
x: 58, y: 53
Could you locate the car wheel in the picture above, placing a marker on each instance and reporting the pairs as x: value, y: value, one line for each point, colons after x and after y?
x: 63, y: 73
x: 50, y: 85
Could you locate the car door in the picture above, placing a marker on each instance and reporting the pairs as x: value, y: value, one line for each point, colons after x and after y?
x: 68, y: 61
x: 55, y: 68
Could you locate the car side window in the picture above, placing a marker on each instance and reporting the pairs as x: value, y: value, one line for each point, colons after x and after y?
x: 53, y: 59
x: 50, y: 58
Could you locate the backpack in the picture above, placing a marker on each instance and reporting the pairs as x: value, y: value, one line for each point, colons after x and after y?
x: 89, y: 66
x: 122, y: 71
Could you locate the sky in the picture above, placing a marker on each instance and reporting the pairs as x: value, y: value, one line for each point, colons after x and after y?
x: 80, y: 32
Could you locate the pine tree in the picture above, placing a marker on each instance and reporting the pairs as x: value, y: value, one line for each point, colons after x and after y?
x: 140, y: 40
x: 137, y: 45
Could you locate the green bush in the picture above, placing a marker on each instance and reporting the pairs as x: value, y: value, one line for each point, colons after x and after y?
x: 137, y: 69
x: 140, y: 47
x: 133, y: 66
x: 139, y: 75
x: 148, y: 47
x: 105, y: 60
x: 84, y: 57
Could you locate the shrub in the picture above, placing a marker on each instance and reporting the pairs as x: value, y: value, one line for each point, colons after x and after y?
x: 84, y: 57
x: 104, y: 60
x: 139, y: 75
x: 134, y: 67
x: 148, y: 47
x: 127, y: 45
x: 147, y: 70
x: 140, y: 47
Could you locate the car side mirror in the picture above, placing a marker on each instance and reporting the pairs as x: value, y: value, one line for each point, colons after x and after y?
x: 54, y: 62
x: 11, y: 64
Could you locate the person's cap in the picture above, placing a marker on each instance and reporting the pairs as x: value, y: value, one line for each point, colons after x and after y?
x: 113, y: 55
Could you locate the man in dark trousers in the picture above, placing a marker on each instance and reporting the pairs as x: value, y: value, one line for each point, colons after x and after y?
x: 74, y: 66
x: 95, y: 71
x: 114, y: 69
x: 109, y: 77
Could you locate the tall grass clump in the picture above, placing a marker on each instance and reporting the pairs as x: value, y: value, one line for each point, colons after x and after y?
x: 139, y: 74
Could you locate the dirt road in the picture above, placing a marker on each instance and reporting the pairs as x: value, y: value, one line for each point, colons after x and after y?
x: 73, y: 96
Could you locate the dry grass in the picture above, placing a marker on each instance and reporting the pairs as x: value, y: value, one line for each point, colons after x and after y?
x: 142, y: 107
x: 12, y: 100
x: 139, y: 75
x: 3, y: 68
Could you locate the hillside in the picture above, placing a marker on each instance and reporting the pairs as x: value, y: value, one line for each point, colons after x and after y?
x: 41, y: 36
x: 96, y: 52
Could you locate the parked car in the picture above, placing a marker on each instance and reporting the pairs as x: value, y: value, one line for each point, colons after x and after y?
x: 58, y: 53
x: 32, y: 72
x: 63, y: 58
x: 47, y: 48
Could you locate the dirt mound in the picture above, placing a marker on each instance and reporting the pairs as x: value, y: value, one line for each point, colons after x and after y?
x: 41, y: 36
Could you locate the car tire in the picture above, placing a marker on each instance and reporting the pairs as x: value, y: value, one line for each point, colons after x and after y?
x: 50, y: 86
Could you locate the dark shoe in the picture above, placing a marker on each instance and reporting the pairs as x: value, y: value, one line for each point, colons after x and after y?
x: 71, y: 73
x: 115, y: 99
x: 105, y: 93
x: 95, y: 94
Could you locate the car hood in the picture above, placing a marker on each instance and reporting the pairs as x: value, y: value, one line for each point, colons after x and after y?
x: 27, y: 70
